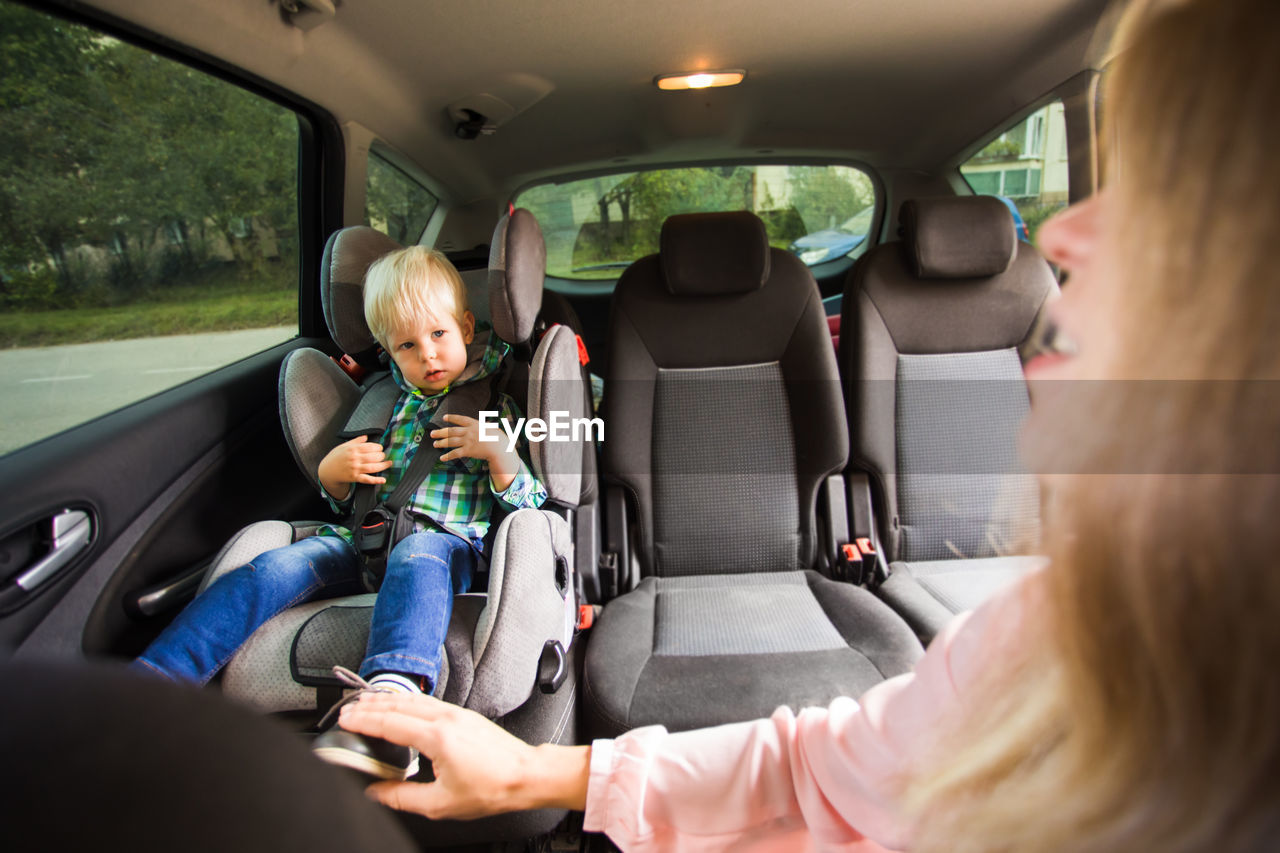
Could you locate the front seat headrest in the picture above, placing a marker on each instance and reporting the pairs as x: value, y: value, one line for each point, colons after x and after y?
x: 714, y: 254
x: 957, y: 236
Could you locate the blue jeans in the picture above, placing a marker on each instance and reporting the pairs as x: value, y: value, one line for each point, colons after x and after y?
x: 424, y: 572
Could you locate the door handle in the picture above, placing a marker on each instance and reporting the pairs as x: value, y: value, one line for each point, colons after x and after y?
x: 70, y: 533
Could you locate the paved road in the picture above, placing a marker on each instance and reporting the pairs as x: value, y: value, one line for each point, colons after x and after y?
x: 44, y: 390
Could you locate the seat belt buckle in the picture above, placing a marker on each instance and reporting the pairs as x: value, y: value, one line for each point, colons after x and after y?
x: 586, y: 616
x: 350, y: 367
x: 373, y: 533
x: 607, y: 564
x: 850, y: 566
x: 874, y: 568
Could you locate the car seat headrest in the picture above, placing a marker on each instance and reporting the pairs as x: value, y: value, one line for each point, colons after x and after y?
x: 517, y: 265
x: 347, y: 256
x: 714, y: 254
x: 957, y: 236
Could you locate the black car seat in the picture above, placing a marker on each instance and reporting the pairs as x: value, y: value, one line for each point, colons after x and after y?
x: 931, y: 330
x: 724, y: 418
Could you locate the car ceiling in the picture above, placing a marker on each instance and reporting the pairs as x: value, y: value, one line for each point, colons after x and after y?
x: 898, y: 85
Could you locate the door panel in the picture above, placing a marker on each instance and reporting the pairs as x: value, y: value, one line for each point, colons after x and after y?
x: 168, y: 480
x: 118, y: 276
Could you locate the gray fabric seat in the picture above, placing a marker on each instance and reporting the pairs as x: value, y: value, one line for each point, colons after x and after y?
x: 931, y: 331
x: 724, y: 416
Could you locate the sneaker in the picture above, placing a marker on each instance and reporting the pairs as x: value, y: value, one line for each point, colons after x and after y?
x: 371, y: 756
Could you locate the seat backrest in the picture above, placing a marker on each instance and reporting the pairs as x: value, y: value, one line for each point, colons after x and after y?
x: 722, y: 400
x: 317, y: 397
x: 929, y: 350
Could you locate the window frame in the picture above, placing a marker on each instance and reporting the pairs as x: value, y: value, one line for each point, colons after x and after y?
x: 320, y: 158
x: 393, y: 158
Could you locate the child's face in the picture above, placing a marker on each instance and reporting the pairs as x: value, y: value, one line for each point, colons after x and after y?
x: 433, y: 355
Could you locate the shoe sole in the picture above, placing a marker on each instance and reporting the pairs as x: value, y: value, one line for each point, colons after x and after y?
x: 366, y: 765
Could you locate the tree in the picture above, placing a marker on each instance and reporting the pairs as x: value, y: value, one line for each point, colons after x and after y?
x: 660, y: 193
x: 105, y: 144
x: 45, y: 140
x: 826, y: 197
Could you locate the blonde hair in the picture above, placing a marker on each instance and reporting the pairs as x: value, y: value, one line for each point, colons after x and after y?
x: 1141, y: 710
x: 411, y: 287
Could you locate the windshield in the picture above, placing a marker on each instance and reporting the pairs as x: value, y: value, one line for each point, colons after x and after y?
x: 595, y: 227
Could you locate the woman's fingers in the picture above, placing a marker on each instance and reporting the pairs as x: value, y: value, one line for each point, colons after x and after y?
x: 420, y: 705
x: 394, y: 726
x: 474, y: 760
x: 420, y: 798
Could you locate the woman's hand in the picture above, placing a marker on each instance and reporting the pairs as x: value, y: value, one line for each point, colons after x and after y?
x: 356, y: 461
x: 479, y: 768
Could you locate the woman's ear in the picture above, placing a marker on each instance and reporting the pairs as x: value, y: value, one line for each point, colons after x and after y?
x: 468, y: 327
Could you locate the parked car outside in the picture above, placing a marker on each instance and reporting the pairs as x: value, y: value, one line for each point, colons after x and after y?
x: 831, y: 243
x: 1019, y: 226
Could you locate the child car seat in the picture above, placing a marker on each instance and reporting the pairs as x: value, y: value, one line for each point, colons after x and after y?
x: 500, y: 643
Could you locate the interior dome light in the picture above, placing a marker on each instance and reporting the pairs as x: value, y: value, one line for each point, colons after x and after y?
x: 700, y: 80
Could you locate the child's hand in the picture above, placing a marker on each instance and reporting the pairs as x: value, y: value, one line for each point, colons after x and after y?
x: 356, y: 461
x: 463, y: 439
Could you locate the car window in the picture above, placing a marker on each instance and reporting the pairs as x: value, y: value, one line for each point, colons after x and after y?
x: 150, y: 224
x: 395, y: 203
x: 595, y: 227
x: 1026, y: 167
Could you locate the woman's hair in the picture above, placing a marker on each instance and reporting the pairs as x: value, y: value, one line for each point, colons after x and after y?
x: 411, y: 287
x: 1141, y: 708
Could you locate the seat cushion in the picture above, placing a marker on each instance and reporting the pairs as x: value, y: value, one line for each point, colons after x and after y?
x: 702, y: 650
x: 928, y: 593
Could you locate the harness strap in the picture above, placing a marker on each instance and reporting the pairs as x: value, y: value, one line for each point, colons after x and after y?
x: 373, y: 412
x: 468, y: 400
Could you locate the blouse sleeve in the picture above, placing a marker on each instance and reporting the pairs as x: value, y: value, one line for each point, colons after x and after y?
x: 829, y: 778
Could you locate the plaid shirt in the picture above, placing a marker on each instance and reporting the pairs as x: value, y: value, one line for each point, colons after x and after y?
x: 459, y: 493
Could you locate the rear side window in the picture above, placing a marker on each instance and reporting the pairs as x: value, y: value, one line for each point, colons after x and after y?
x: 596, y: 227
x: 395, y: 203
x: 1026, y: 167
x: 150, y: 228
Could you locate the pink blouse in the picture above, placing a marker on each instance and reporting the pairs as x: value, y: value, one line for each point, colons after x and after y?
x: 828, y: 779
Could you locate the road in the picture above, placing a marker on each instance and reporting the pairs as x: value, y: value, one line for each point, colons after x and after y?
x: 44, y: 390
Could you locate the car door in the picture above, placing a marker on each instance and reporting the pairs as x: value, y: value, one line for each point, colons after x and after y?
x: 164, y: 224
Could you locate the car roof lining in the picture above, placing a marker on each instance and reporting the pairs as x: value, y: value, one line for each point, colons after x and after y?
x: 893, y: 85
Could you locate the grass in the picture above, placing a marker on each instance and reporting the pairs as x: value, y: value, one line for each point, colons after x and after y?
x: 209, y: 307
